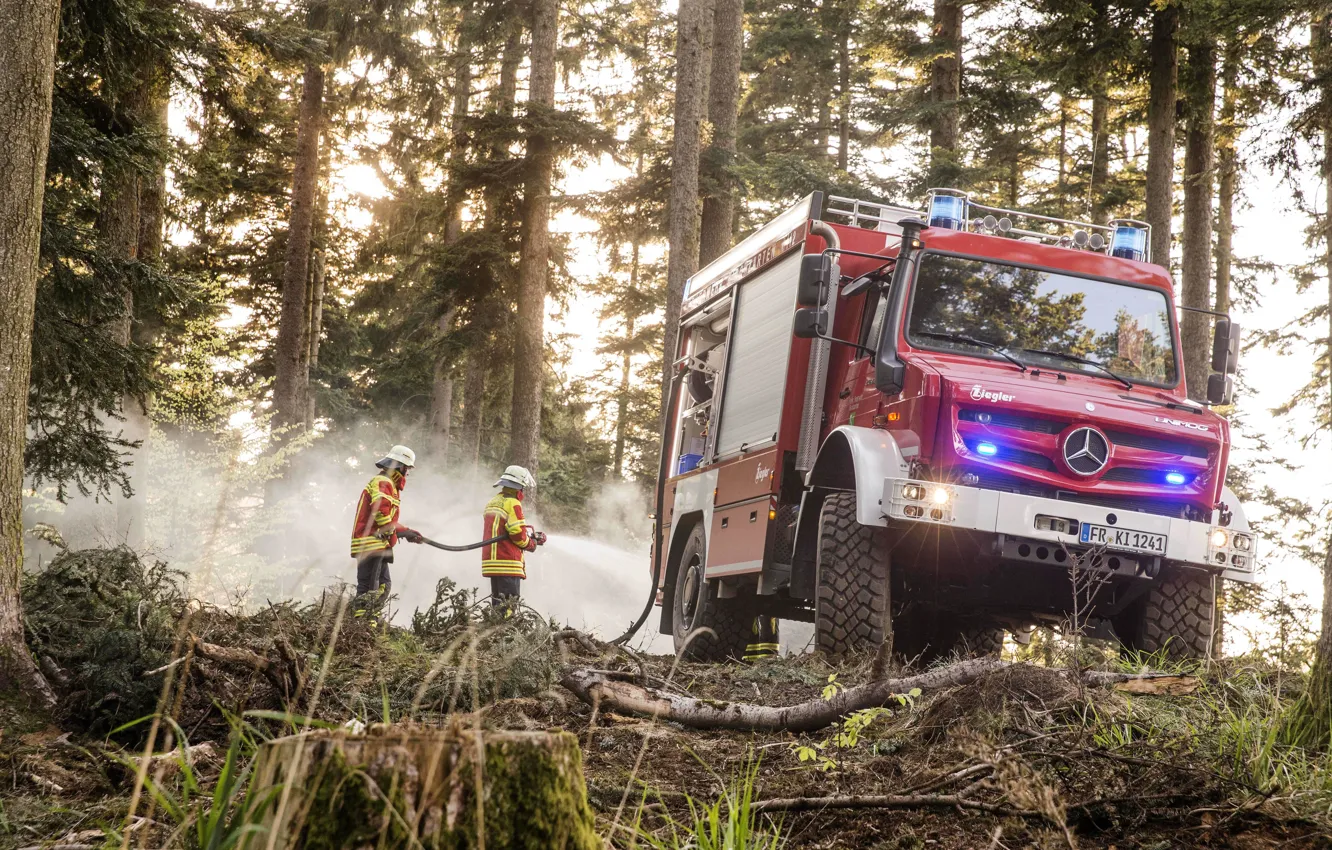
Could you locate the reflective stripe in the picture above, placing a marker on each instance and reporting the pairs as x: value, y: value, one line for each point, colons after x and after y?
x: 504, y: 568
x: 382, y: 520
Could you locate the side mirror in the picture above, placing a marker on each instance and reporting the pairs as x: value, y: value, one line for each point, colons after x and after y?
x: 1225, y: 347
x: 1220, y: 388
x: 811, y: 322
x: 816, y: 271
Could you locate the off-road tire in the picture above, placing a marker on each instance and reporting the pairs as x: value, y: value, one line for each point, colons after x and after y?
x: 1177, y: 615
x: 924, y: 637
x: 972, y: 639
x: 726, y: 617
x: 854, y: 562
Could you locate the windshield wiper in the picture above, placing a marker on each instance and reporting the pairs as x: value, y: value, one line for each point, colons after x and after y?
x: 1085, y: 361
x: 979, y: 343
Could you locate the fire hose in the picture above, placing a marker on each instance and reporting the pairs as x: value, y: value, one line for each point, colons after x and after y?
x: 660, y: 557
x: 536, y: 535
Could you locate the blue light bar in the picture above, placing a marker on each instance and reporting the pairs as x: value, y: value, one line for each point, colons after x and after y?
x: 948, y: 211
x: 990, y: 449
x: 1129, y: 242
x: 1175, y: 478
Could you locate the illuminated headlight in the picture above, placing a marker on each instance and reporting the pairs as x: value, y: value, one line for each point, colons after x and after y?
x: 1219, y: 538
x: 940, y: 496
x: 1242, y: 542
x: 914, y: 492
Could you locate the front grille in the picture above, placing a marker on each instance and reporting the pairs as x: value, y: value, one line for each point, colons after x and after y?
x: 1133, y: 475
x: 1009, y: 484
x: 1034, y: 460
x: 1013, y: 420
x: 1157, y: 444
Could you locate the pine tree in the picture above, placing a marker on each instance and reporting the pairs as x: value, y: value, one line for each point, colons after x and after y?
x: 1199, y: 173
x: 719, y: 196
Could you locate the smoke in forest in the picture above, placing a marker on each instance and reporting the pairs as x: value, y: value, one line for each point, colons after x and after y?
x: 210, y: 507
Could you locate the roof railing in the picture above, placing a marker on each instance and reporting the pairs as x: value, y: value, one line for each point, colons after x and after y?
x: 1122, y: 237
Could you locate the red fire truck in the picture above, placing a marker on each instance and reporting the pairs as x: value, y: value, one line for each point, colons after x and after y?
x: 933, y: 423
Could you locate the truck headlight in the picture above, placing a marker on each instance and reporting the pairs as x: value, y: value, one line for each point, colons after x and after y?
x: 1219, y: 538
x: 941, y: 496
x: 1242, y: 542
x: 914, y: 492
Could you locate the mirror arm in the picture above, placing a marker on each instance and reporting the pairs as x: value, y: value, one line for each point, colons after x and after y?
x: 854, y: 345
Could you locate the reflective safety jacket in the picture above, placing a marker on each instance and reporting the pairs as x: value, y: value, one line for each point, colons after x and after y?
x: 376, y: 526
x: 504, y: 515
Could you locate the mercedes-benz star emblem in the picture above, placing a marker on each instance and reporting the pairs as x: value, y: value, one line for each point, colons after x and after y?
x: 1086, y: 451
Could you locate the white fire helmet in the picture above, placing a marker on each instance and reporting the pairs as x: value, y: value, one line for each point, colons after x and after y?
x: 516, y: 477
x: 402, y: 455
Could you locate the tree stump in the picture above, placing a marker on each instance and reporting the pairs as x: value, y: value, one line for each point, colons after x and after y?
x: 403, y: 786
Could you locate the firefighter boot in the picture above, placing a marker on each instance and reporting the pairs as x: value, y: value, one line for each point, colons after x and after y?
x: 764, y: 643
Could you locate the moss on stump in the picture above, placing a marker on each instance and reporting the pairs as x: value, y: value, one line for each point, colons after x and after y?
x: 404, y: 786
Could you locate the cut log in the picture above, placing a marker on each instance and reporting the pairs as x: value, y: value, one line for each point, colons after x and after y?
x: 403, y: 786
x: 611, y: 693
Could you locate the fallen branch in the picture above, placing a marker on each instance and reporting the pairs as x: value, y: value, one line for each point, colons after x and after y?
x: 615, y: 694
x: 884, y: 801
x: 285, y: 677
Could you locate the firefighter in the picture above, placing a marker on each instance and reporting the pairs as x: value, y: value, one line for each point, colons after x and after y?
x: 377, y: 529
x: 502, y: 562
x: 764, y: 643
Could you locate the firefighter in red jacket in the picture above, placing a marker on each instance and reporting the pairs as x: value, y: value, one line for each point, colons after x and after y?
x: 377, y: 529
x: 502, y: 561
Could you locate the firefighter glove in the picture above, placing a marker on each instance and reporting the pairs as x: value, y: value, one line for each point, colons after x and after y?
x: 410, y: 535
x: 539, y: 538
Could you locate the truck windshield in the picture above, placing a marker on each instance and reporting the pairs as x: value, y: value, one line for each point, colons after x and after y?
x: 1124, y: 328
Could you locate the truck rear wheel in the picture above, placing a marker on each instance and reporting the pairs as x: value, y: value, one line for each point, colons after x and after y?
x: 696, y: 606
x: 1177, y: 615
x: 852, y: 608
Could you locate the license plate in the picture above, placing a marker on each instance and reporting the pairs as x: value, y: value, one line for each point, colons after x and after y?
x: 1122, y: 538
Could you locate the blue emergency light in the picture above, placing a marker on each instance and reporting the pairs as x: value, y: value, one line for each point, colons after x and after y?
x: 1129, y: 242
x: 948, y: 211
x: 987, y: 449
x: 1175, y: 478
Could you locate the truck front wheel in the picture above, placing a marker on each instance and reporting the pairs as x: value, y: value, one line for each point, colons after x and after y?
x: 1177, y: 615
x: 852, y: 608
x: 696, y: 606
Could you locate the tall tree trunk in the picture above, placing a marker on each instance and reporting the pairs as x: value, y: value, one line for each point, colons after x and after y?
x: 1196, y: 267
x: 27, y: 41
x: 118, y: 226
x: 1227, y: 176
x: 1100, y: 128
x: 1063, y: 156
x: 847, y: 22
x: 728, y: 36
x: 474, y: 399
x: 292, y: 378
x: 1162, y: 86
x: 693, y: 35
x: 317, y: 286
x: 626, y: 374
x: 1320, y: 674
x: 945, y: 91
x: 534, y: 256
x: 441, y: 384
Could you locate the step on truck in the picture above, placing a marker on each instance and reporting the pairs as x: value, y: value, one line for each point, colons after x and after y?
x: 934, y: 425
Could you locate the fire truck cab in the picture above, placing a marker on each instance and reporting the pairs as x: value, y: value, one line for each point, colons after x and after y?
x: 942, y: 426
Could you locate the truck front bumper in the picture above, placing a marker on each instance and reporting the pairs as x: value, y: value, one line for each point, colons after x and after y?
x: 1018, y: 517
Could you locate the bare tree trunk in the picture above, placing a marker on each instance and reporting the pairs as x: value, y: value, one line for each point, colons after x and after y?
x: 1100, y: 128
x: 728, y: 36
x: 441, y: 395
x: 1162, y: 85
x: 945, y: 90
x: 27, y: 43
x: 1196, y: 267
x: 317, y: 285
x: 534, y: 257
x: 626, y: 374
x: 693, y: 35
x: 849, y: 11
x: 118, y: 229
x: 1063, y: 156
x: 289, y: 385
x: 1320, y: 674
x: 474, y: 396
x: 1227, y: 177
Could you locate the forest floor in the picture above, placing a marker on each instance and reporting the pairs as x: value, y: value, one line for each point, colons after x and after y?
x: 1025, y: 756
